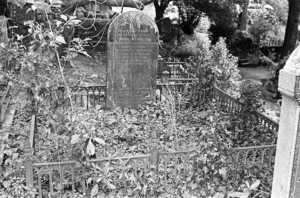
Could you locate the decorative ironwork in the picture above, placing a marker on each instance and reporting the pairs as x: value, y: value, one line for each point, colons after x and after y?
x: 54, y: 177
x: 86, y: 96
x: 232, y: 105
x: 5, y: 101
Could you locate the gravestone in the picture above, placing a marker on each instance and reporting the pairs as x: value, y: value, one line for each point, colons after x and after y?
x: 132, y: 60
x: 286, y: 181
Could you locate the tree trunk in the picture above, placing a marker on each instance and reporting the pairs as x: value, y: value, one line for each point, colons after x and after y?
x: 159, y: 12
x: 4, y: 8
x: 244, y: 18
x: 291, y: 30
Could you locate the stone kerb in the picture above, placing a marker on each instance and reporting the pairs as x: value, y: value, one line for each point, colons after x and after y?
x: 286, y: 181
x: 132, y: 60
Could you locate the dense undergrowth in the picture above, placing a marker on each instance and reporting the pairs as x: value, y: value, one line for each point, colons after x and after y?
x: 82, y: 135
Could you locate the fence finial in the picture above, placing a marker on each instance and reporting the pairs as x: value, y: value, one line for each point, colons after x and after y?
x: 153, y: 160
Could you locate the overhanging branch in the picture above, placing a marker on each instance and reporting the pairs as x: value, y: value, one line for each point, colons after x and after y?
x: 71, y: 4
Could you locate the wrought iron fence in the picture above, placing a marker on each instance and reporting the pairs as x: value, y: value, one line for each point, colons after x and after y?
x: 178, y: 70
x: 85, y: 96
x: 91, y: 96
x: 272, y: 43
x: 232, y: 105
x: 70, y: 177
x: 245, y: 156
x: 5, y: 101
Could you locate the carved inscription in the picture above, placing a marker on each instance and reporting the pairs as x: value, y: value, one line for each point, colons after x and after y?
x: 132, y: 60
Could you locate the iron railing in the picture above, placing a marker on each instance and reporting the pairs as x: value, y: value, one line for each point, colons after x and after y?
x: 91, y: 96
x: 85, y: 96
x: 246, y: 156
x: 230, y: 104
x: 5, y: 101
x: 70, y: 177
x: 178, y: 70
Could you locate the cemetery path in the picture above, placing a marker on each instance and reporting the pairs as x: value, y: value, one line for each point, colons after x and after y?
x: 255, y: 75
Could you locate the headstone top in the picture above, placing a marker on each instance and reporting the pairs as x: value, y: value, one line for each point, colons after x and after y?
x: 293, y: 63
x: 135, y: 19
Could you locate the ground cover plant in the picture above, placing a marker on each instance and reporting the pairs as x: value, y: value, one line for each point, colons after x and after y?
x: 83, y: 135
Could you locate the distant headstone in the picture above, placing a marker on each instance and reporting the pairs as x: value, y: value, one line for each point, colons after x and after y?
x: 3, y: 29
x: 286, y: 180
x: 132, y: 60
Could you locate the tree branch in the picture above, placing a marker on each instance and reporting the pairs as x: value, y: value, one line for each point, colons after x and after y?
x: 72, y: 4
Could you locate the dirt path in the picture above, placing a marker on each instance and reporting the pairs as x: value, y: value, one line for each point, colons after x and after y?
x: 255, y: 76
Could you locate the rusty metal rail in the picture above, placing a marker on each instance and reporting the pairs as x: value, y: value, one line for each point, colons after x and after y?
x: 86, y: 96
x: 5, y: 101
x: 232, y: 105
x: 72, y: 176
x: 245, y: 156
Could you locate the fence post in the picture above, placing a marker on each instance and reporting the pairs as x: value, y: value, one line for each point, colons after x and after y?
x: 33, y: 129
x: 153, y: 160
x: 28, y: 172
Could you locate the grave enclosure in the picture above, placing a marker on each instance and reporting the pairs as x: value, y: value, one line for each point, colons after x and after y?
x: 131, y: 80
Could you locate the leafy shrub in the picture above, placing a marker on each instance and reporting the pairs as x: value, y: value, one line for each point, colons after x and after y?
x: 262, y: 21
x: 244, y: 125
x: 214, y: 65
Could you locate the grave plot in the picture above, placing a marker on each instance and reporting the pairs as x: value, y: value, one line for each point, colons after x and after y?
x: 158, y: 149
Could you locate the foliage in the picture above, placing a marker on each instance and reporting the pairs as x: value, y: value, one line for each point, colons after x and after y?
x: 189, y: 18
x: 203, y: 25
x: 281, y: 9
x: 82, y: 135
x: 262, y: 22
x: 245, y: 127
x: 222, y: 15
x: 214, y: 65
x: 274, y: 76
x: 38, y: 67
x: 12, y: 150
